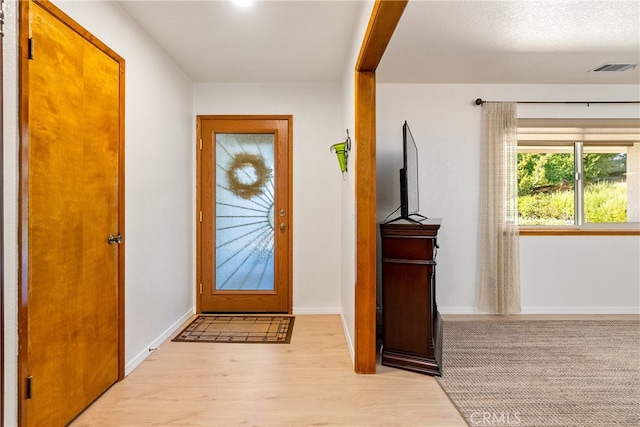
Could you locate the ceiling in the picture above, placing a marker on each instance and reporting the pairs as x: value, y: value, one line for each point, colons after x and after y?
x: 269, y: 41
x: 517, y: 41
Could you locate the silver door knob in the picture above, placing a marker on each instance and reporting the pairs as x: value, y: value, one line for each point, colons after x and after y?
x: 115, y: 239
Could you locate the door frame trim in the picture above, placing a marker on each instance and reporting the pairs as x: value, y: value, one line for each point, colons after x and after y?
x: 198, y: 149
x: 23, y: 190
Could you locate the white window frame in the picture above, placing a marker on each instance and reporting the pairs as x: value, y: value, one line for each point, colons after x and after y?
x: 577, y: 133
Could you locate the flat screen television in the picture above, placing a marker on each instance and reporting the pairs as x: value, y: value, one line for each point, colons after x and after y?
x: 409, y: 181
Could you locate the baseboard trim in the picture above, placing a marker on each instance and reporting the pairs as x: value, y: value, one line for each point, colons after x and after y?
x: 318, y: 310
x: 347, y: 336
x: 580, y: 310
x: 457, y: 310
x: 138, y: 359
x: 550, y: 310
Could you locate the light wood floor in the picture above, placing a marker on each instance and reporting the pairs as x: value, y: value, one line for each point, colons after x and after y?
x: 309, y: 382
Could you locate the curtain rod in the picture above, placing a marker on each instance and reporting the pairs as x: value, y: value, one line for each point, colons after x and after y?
x: 480, y: 101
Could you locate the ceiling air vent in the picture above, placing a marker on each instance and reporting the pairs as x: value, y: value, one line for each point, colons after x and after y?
x: 613, y: 67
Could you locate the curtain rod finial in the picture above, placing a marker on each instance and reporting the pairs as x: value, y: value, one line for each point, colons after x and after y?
x: 479, y: 101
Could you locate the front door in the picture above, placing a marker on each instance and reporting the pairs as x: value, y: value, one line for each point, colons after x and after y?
x: 71, y: 193
x: 244, y: 208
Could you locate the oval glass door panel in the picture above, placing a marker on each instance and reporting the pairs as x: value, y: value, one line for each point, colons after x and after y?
x: 244, y: 214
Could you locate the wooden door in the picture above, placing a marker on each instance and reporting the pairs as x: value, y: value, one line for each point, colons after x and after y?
x: 71, y: 202
x: 244, y: 208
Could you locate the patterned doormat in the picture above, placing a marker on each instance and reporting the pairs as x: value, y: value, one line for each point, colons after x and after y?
x: 266, y: 329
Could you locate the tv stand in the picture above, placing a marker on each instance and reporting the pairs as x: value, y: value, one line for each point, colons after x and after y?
x: 411, y: 324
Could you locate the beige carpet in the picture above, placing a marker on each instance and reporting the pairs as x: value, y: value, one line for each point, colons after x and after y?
x: 238, y: 329
x: 543, y: 373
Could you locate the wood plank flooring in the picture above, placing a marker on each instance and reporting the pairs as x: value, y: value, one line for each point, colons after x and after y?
x: 309, y: 382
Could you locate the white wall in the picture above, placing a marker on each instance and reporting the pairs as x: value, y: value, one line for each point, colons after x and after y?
x: 317, y: 179
x: 580, y: 274
x: 572, y: 274
x: 159, y: 186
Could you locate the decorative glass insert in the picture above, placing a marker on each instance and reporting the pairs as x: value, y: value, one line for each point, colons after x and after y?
x: 244, y: 231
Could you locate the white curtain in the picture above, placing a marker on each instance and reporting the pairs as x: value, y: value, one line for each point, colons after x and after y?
x: 499, y: 285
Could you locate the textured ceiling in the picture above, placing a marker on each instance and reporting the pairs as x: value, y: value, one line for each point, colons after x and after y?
x: 513, y: 42
x: 435, y: 42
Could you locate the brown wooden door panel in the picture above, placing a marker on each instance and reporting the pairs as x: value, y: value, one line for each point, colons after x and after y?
x: 72, y: 323
x: 244, y: 171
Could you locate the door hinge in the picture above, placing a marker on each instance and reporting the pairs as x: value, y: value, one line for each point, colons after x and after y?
x: 201, y: 143
x: 30, y: 48
x: 200, y: 216
x: 200, y: 288
x: 28, y: 388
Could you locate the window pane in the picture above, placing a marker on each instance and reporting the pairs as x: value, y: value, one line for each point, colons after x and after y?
x: 244, y: 232
x: 607, y: 175
x: 545, y: 186
x: 611, y: 192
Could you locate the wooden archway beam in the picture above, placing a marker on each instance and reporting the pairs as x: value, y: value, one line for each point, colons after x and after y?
x: 382, y: 23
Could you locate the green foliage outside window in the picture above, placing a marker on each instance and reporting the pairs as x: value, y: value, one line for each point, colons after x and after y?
x: 545, y: 188
x: 546, y: 209
x: 544, y: 172
x: 605, y: 202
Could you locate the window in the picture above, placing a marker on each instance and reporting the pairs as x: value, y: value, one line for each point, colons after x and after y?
x: 578, y: 172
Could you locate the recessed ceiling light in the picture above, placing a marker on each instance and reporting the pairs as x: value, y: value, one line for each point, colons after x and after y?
x: 244, y: 3
x: 613, y: 67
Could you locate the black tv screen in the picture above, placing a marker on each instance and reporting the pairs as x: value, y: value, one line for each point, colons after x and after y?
x: 409, y: 187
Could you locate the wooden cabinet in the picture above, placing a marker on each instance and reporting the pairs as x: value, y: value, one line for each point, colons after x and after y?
x: 411, y: 324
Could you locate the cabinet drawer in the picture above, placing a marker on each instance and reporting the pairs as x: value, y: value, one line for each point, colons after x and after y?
x: 419, y: 248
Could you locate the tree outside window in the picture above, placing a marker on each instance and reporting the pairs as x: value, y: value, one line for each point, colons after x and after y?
x: 562, y: 183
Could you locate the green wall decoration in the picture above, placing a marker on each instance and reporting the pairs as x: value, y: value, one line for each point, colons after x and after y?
x: 341, y: 149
